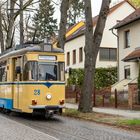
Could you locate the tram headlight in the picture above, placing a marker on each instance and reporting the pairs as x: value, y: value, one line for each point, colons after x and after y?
x: 49, y: 96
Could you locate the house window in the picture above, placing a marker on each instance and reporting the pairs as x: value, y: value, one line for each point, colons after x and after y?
x: 108, y: 54
x: 74, y: 56
x: 127, y: 39
x: 80, y: 54
x: 68, y: 59
x: 127, y: 72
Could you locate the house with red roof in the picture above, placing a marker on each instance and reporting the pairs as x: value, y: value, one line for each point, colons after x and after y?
x: 107, y: 57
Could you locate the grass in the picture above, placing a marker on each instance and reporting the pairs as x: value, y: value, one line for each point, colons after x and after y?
x: 96, y: 117
x: 113, y: 120
x: 134, y: 122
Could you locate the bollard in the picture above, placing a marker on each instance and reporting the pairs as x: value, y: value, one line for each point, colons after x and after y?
x: 103, y: 100
x: 116, y: 100
x: 94, y: 98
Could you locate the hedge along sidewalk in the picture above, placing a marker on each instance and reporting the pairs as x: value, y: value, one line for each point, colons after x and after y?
x: 125, y: 113
x: 104, y: 77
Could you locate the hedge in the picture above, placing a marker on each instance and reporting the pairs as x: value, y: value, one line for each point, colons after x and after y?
x: 104, y: 77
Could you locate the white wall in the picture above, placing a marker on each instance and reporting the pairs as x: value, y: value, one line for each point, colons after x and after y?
x: 75, y: 44
x: 108, y: 40
x: 123, y: 52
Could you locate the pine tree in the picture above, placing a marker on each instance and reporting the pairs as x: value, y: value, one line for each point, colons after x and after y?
x: 43, y: 21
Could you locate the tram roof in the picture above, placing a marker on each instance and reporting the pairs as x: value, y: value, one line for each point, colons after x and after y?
x: 28, y: 48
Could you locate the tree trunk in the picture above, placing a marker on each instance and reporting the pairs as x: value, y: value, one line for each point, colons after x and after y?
x: 63, y: 23
x: 1, y: 33
x: 92, y: 44
x: 21, y: 23
x: 10, y: 25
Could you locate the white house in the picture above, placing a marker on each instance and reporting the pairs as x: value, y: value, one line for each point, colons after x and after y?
x: 129, y: 57
x: 107, y: 57
x: 129, y: 47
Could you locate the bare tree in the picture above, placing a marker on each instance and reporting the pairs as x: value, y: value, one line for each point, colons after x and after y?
x: 92, y: 44
x: 1, y: 33
x: 10, y: 25
x: 63, y: 22
x: 7, y: 22
x: 21, y: 23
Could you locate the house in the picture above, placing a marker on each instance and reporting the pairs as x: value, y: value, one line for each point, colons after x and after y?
x: 129, y: 55
x: 75, y: 41
x: 129, y: 46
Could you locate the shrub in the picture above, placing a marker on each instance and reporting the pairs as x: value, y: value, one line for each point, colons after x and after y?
x: 104, y: 77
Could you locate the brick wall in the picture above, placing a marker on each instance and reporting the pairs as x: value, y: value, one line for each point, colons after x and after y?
x: 132, y: 95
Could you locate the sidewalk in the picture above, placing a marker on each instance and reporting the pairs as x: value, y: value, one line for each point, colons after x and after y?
x: 11, y: 130
x: 125, y: 113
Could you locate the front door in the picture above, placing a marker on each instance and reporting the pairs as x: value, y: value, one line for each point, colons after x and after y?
x: 17, y: 79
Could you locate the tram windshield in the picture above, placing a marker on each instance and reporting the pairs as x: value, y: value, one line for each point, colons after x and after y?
x: 51, y: 71
x: 47, y: 72
x: 44, y: 71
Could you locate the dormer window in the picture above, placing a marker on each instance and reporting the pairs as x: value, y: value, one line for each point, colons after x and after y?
x: 127, y: 39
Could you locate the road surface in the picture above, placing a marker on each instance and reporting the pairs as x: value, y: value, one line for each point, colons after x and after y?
x: 63, y: 128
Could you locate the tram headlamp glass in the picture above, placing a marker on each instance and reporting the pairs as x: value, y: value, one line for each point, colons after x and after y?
x: 49, y: 96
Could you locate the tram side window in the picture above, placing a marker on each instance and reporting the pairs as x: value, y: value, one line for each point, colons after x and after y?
x: 3, y: 74
x: 30, y: 71
x: 61, y: 72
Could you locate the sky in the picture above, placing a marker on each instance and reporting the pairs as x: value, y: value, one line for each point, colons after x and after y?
x: 96, y: 5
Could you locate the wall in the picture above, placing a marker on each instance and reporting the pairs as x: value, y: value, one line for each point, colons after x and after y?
x: 109, y: 40
x: 123, y: 52
x: 133, y: 95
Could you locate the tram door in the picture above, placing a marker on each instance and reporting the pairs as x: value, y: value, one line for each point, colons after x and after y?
x: 17, y: 65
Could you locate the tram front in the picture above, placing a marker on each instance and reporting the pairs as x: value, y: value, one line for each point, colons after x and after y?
x: 45, y: 84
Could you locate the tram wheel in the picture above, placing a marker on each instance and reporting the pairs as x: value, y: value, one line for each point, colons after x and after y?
x: 49, y: 115
x: 6, y: 111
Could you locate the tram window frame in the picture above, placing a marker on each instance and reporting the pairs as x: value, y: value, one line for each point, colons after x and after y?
x: 3, y: 74
x: 61, y: 78
x: 48, y: 63
x: 27, y: 71
x: 18, y: 68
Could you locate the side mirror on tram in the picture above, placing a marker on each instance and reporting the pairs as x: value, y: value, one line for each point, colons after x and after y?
x: 18, y: 70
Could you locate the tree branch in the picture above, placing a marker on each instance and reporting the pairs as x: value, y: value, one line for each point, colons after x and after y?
x: 63, y: 23
x: 28, y: 3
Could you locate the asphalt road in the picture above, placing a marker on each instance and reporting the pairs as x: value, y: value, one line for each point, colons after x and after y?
x: 64, y: 128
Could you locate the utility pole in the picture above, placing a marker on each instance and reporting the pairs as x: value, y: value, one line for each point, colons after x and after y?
x: 21, y: 23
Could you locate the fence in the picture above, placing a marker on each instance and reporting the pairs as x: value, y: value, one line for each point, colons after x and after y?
x: 105, y: 98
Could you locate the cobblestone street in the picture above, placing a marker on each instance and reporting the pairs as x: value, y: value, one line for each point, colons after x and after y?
x: 62, y: 128
x: 11, y: 130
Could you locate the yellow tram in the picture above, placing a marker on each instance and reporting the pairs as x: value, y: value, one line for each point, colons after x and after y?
x: 32, y: 79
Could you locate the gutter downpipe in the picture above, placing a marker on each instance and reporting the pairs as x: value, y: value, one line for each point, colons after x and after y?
x: 112, y: 30
x: 138, y: 83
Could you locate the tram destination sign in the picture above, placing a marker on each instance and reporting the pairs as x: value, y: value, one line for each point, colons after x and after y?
x: 47, y: 57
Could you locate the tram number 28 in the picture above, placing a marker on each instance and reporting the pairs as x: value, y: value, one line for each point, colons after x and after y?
x: 37, y: 92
